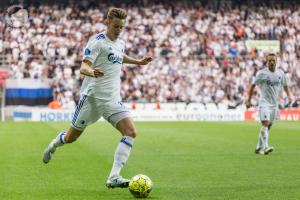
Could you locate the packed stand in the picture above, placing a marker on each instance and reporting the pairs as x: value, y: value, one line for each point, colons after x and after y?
x: 199, y: 51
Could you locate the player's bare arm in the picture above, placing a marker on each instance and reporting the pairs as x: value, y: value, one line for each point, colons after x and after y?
x: 286, y: 89
x: 129, y: 60
x: 248, y: 102
x: 87, y: 70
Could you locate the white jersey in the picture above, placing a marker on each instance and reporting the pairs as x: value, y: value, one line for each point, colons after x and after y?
x: 270, y: 84
x: 108, y: 56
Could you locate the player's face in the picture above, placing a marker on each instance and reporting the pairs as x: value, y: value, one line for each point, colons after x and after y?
x: 115, y: 27
x: 271, y: 62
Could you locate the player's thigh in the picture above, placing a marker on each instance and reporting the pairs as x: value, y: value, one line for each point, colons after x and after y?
x: 87, y: 112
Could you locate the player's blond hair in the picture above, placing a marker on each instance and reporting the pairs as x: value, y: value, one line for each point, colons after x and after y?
x: 117, y: 13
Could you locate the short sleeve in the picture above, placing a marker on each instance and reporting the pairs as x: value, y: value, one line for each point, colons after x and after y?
x: 284, y: 80
x: 92, y: 50
x: 258, y: 79
x: 123, y: 46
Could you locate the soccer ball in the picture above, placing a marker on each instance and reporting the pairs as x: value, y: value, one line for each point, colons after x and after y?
x: 140, y: 186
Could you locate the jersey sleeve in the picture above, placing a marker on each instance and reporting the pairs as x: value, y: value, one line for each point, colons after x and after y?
x: 284, y: 80
x: 92, y: 50
x: 258, y: 79
x: 123, y: 46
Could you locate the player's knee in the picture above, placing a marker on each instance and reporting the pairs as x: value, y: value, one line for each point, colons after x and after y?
x: 130, y: 132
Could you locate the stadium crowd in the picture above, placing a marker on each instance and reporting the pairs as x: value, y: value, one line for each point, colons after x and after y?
x: 199, y: 50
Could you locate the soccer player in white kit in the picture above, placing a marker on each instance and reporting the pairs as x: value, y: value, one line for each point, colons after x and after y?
x: 100, y: 94
x: 270, y: 81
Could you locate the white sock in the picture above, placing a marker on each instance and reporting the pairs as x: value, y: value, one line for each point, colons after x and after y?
x: 121, y: 155
x: 59, y: 140
x: 260, y: 138
x: 266, y: 136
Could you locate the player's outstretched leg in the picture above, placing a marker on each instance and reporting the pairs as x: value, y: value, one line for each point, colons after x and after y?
x: 56, y: 142
x: 125, y: 126
x: 60, y: 140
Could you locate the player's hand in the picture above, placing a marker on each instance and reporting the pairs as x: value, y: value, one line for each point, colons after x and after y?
x: 145, y: 60
x: 248, y: 103
x: 97, y: 72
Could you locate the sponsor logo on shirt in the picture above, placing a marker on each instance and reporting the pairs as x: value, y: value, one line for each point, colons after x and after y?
x: 113, y: 57
x: 272, y: 83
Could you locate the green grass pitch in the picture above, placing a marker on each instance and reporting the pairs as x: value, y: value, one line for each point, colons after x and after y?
x: 185, y: 160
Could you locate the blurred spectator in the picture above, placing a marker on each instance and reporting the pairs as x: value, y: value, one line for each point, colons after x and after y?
x: 55, y: 105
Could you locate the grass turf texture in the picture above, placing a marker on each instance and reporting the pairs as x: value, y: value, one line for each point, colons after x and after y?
x: 185, y: 160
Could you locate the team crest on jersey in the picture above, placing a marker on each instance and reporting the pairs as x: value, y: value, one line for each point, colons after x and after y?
x: 113, y: 57
x: 87, y: 52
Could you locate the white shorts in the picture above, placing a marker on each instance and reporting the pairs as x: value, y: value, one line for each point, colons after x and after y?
x: 89, y: 110
x: 268, y: 114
